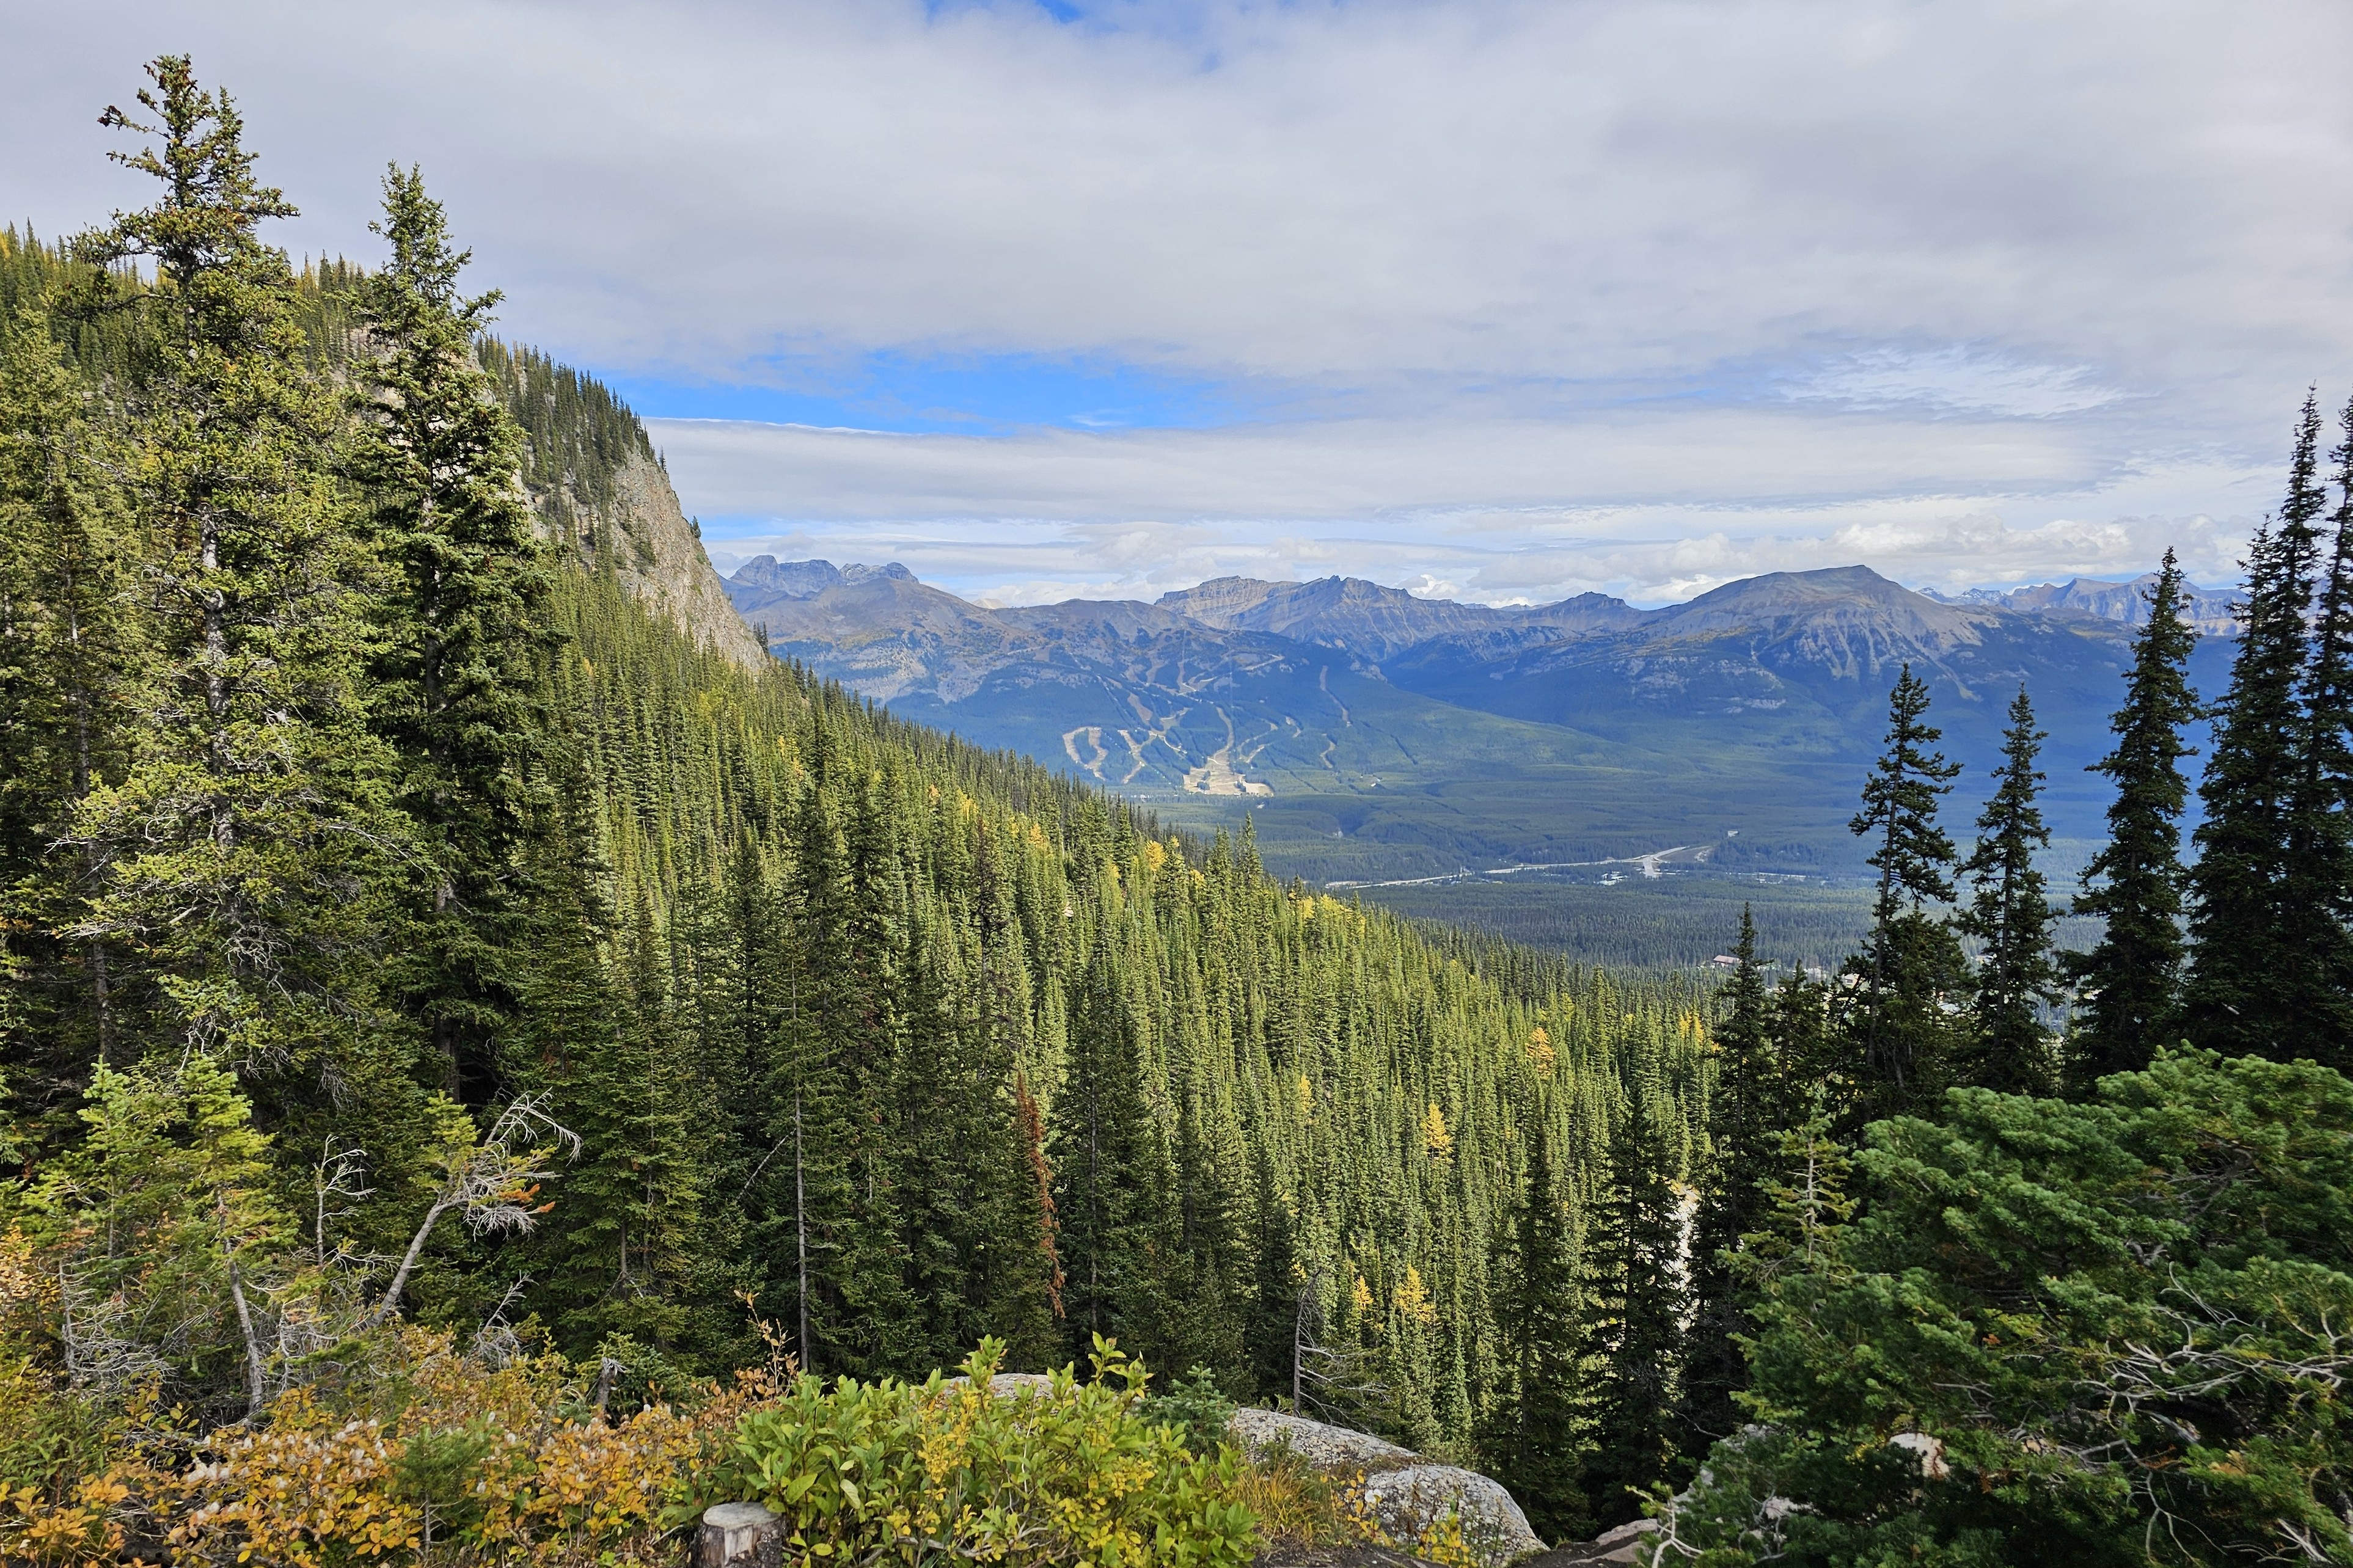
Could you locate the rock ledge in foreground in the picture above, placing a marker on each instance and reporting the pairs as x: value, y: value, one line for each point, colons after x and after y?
x: 1407, y: 1494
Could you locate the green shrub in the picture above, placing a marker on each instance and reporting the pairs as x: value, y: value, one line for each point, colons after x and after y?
x: 890, y: 1471
x: 1195, y: 1407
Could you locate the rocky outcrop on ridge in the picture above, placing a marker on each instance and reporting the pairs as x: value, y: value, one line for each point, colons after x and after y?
x: 1407, y: 1494
x: 660, y: 562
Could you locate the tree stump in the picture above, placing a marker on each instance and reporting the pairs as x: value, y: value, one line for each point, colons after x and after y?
x: 740, y: 1535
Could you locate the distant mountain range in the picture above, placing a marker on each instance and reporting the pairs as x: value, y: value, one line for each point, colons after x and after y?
x: 2207, y: 609
x: 1371, y: 731
x: 1367, y: 619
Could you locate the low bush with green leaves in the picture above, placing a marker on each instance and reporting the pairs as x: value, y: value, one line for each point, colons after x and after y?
x: 1197, y: 1408
x: 897, y: 1472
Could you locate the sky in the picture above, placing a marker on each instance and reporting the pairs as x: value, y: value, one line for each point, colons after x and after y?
x: 1489, y: 299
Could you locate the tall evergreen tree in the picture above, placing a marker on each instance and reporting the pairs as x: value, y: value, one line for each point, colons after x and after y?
x: 461, y: 611
x: 246, y: 847
x: 810, y: 1197
x: 1271, y: 1330
x: 573, y: 1050
x: 1025, y: 1298
x: 2012, y: 916
x: 1536, y: 1429
x: 1912, y: 961
x: 1745, y: 1111
x: 865, y: 1022
x: 2249, y: 991
x: 2129, y: 982
x: 1813, y: 1059
x: 2319, y: 912
x: 1635, y: 1298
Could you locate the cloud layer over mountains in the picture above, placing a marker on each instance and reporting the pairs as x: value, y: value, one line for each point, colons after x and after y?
x: 1508, y: 297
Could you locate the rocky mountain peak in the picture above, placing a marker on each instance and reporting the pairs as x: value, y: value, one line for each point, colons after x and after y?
x: 1833, y: 596
x: 2208, y: 610
x: 1376, y: 622
x: 772, y: 578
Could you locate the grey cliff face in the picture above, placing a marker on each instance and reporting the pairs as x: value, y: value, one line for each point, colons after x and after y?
x: 661, y: 562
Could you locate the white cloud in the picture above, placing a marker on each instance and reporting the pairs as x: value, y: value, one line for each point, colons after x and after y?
x: 1953, y: 378
x: 1633, y: 292
x: 1354, y: 467
x: 1360, y: 194
x: 1656, y: 507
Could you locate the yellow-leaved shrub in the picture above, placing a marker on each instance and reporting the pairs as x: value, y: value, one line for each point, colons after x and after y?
x: 952, y: 1469
x: 436, y: 1457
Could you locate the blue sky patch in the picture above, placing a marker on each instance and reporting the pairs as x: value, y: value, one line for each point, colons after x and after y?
x: 976, y: 396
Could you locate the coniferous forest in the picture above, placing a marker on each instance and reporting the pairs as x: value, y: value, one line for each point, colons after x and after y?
x: 422, y: 959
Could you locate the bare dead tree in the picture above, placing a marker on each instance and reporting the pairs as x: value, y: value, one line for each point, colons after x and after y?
x: 338, y: 1174
x: 495, y: 1344
x: 491, y: 1184
x: 104, y: 1352
x: 1328, y: 1382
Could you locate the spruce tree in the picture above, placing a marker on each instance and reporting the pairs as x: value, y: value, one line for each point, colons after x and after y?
x: 1912, y: 961
x: 976, y: 1214
x: 2319, y: 913
x: 1199, y: 1288
x: 1021, y: 1295
x: 865, y: 1021
x: 1635, y: 1299
x: 248, y: 846
x: 460, y: 612
x: 1813, y: 1059
x: 1536, y: 1429
x: 2128, y: 984
x: 808, y: 1196
x: 1271, y: 1330
x: 782, y: 1076
x: 2249, y: 991
x: 716, y: 1083
x: 1745, y: 1111
x: 2011, y: 917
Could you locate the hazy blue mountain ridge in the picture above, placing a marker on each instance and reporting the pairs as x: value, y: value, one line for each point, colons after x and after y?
x: 1374, y: 734
x: 1375, y: 621
x: 2209, y: 609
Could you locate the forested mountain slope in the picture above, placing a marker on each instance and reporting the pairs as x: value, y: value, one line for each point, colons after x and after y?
x: 812, y: 1012
x: 1166, y: 708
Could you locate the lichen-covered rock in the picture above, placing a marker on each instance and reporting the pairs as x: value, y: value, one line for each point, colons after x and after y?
x: 1409, y: 1501
x: 1012, y: 1385
x: 1326, y: 1447
x: 1407, y: 1494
